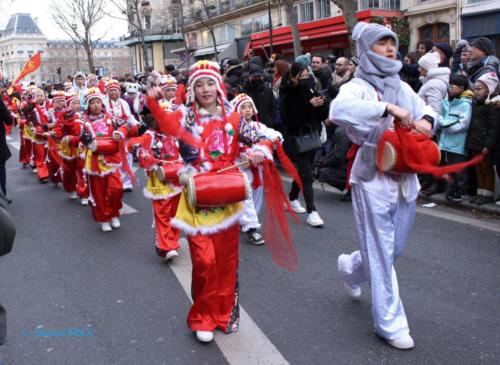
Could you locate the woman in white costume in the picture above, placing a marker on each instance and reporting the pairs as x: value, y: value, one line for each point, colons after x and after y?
x: 383, y: 203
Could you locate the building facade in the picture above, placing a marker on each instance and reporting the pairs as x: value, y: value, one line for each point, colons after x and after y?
x: 151, y: 46
x: 110, y: 59
x: 20, y: 40
x: 481, y: 18
x: 437, y: 20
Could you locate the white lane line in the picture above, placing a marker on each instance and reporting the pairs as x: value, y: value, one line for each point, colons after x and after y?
x: 16, y: 145
x: 248, y: 346
x: 478, y: 223
x: 127, y: 209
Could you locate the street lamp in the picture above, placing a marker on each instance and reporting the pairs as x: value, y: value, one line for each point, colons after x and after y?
x: 73, y: 27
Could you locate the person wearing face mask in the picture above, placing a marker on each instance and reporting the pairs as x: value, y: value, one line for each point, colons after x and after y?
x: 302, y: 109
x: 261, y: 94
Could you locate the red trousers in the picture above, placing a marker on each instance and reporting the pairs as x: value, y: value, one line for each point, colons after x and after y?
x: 54, y: 167
x: 215, y: 283
x: 25, y: 149
x: 107, y: 194
x: 69, y: 175
x: 8, y: 129
x: 40, y: 156
x: 82, y: 187
x: 167, y: 237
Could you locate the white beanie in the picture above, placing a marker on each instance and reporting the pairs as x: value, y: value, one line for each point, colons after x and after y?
x: 490, y: 79
x: 429, y: 61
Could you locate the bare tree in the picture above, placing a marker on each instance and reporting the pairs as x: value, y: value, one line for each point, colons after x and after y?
x: 132, y: 12
x: 349, y: 9
x: 292, y: 20
x: 78, y: 18
x: 210, y: 25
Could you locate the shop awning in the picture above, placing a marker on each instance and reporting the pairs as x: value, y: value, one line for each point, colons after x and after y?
x: 480, y: 25
x: 210, y: 50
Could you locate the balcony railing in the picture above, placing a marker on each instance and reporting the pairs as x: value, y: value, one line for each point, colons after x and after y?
x: 198, y: 14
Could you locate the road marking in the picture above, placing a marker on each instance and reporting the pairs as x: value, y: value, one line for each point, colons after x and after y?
x: 478, y: 223
x: 248, y: 346
x: 16, y: 145
x: 127, y: 209
x: 8, y: 138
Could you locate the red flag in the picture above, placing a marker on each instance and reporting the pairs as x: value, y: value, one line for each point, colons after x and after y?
x: 33, y: 64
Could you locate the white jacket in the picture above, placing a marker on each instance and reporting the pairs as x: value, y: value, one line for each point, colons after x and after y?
x: 120, y: 111
x: 435, y: 87
x: 357, y: 107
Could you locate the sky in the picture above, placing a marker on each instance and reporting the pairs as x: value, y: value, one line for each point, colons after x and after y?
x: 40, y: 9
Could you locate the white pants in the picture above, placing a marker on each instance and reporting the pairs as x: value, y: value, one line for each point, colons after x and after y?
x: 127, y: 181
x: 252, y: 205
x: 382, y: 229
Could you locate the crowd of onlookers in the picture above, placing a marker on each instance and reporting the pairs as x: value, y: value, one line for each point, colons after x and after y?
x: 460, y: 84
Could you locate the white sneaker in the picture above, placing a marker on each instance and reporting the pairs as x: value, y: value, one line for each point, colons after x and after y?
x: 73, y: 195
x: 403, y: 343
x: 353, y: 292
x: 34, y: 171
x: 296, y: 207
x: 205, y: 336
x: 172, y: 254
x: 84, y: 201
x: 106, y: 227
x: 115, y: 222
x: 314, y: 219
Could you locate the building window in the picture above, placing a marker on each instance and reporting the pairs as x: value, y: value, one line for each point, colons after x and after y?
x: 439, y: 32
x: 149, y: 55
x: 324, y: 10
x: 246, y: 27
x: 379, y: 4
x: 147, y: 21
x: 306, y: 12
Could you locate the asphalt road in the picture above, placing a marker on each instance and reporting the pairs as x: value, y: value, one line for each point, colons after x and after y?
x: 123, y: 305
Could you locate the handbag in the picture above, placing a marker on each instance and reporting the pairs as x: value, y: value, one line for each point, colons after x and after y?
x: 308, y: 142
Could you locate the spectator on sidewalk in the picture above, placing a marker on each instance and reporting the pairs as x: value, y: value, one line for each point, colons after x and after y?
x: 481, y: 60
x: 483, y: 136
x: 5, y: 119
x: 454, y: 123
x: 424, y: 46
x: 262, y: 95
x: 340, y: 76
x: 321, y: 71
x: 445, y: 53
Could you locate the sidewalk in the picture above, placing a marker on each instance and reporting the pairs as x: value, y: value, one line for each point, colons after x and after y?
x: 491, y: 209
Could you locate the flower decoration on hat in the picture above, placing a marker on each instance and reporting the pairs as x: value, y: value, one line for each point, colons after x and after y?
x: 93, y: 93
x: 113, y: 84
x: 168, y: 82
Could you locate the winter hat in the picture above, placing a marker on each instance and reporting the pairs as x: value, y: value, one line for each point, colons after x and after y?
x: 446, y: 49
x: 113, y: 84
x: 429, y: 61
x: 355, y: 60
x: 306, y: 61
x: 58, y: 95
x: 79, y: 74
x: 241, y: 99
x: 168, y: 82
x: 255, y: 70
x: 372, y: 32
x: 490, y: 79
x: 69, y: 97
x: 93, y: 93
x: 200, y: 70
x: 132, y: 88
x: 484, y: 44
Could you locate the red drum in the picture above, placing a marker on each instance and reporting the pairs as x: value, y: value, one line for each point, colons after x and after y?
x: 390, y: 152
x: 168, y: 172
x: 106, y: 146
x: 211, y: 189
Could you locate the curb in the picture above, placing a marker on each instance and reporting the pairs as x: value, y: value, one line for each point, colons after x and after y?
x: 490, y: 209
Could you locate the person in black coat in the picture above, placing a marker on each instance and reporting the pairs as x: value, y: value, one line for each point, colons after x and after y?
x: 5, y: 154
x: 482, y: 137
x: 302, y: 110
x: 333, y: 167
x: 262, y: 96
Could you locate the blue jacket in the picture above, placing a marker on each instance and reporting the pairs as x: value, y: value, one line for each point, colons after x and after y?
x: 454, y: 123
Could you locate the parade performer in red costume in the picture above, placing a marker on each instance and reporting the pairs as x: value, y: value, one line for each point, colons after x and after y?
x: 103, y: 158
x: 158, y: 155
x: 211, y: 205
x: 36, y: 116
x: 54, y: 159
x: 68, y: 130
x: 119, y: 109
